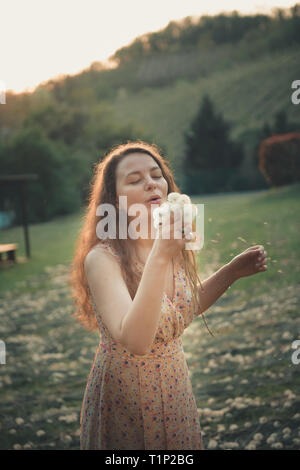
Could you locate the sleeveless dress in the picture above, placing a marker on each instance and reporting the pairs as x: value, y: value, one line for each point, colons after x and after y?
x: 146, y: 402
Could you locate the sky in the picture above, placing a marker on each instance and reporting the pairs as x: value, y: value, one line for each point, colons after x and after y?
x: 44, y: 39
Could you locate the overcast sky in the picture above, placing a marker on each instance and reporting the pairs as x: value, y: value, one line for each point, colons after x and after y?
x: 42, y: 39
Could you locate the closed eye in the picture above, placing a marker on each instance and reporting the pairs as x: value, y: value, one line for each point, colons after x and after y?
x: 155, y: 177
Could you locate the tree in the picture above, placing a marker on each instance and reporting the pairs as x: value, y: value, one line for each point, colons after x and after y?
x: 211, y: 157
x: 208, y: 144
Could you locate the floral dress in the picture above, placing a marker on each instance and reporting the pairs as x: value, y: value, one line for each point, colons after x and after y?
x: 143, y: 402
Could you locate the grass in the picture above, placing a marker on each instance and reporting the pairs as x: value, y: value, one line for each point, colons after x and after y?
x: 245, y: 383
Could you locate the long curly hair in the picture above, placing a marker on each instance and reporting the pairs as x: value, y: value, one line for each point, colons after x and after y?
x: 103, y: 190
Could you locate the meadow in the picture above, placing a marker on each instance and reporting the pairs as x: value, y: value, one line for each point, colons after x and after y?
x: 246, y: 385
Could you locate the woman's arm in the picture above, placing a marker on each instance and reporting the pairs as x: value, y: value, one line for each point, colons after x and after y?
x: 139, y: 325
x: 215, y: 286
x: 249, y: 262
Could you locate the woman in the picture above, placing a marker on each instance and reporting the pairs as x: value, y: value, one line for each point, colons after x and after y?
x: 141, y: 293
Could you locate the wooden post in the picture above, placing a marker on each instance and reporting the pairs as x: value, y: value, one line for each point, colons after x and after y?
x: 23, y: 197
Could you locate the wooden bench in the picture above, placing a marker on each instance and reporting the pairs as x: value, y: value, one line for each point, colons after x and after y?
x: 10, y: 249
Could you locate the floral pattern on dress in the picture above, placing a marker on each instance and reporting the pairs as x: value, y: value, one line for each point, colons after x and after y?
x: 146, y: 402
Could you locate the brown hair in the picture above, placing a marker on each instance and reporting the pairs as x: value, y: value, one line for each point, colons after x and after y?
x: 103, y: 190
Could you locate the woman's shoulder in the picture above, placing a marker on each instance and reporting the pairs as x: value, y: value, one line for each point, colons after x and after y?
x: 107, y: 246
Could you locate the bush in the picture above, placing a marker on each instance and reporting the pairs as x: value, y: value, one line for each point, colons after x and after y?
x: 56, y: 190
x: 279, y: 159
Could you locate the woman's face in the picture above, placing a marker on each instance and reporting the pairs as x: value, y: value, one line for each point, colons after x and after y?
x: 139, y: 177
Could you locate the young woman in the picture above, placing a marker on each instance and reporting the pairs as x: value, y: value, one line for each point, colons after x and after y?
x: 141, y: 293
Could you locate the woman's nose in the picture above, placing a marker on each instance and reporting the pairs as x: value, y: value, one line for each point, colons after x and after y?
x: 150, y: 184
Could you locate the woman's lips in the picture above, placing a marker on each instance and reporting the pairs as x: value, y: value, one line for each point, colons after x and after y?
x: 154, y: 201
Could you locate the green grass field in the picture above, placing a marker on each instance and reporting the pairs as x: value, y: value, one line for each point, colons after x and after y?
x: 246, y: 386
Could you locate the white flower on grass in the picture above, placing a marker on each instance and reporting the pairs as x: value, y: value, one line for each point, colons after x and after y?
x: 17, y: 447
x: 287, y: 431
x: 289, y: 393
x: 19, y: 420
x: 212, y: 444
x: 251, y: 445
x: 287, y: 335
x: 263, y: 419
x: 233, y: 427
x: 40, y: 432
x: 287, y: 404
x: 230, y: 445
x: 68, y: 418
x: 28, y: 445
x: 258, y: 436
x: 221, y: 427
x: 277, y: 445
x: 272, y: 438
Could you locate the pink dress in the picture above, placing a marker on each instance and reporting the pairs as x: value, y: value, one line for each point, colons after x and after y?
x: 143, y: 402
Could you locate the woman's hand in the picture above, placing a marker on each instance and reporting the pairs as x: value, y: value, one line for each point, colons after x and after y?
x: 172, y: 235
x: 250, y: 261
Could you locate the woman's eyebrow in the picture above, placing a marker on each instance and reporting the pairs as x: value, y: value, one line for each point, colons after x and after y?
x: 153, y: 168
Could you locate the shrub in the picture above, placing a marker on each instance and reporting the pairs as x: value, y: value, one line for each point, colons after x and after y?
x: 279, y: 158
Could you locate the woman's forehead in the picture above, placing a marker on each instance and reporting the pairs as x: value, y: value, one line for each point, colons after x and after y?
x: 135, y: 162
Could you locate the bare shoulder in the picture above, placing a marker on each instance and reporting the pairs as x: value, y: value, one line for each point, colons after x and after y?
x: 100, y: 256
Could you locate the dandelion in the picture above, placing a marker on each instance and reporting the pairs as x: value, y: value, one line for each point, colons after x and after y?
x: 69, y: 418
x: 263, y: 419
x: 272, y: 438
x: 212, y: 444
x: 258, y: 436
x: 40, y: 433
x: 277, y: 445
x: 19, y: 420
x: 232, y: 427
x: 28, y: 445
x: 251, y: 445
x: 286, y: 431
x: 176, y: 201
x: 287, y: 404
x: 230, y: 445
x: 17, y: 447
